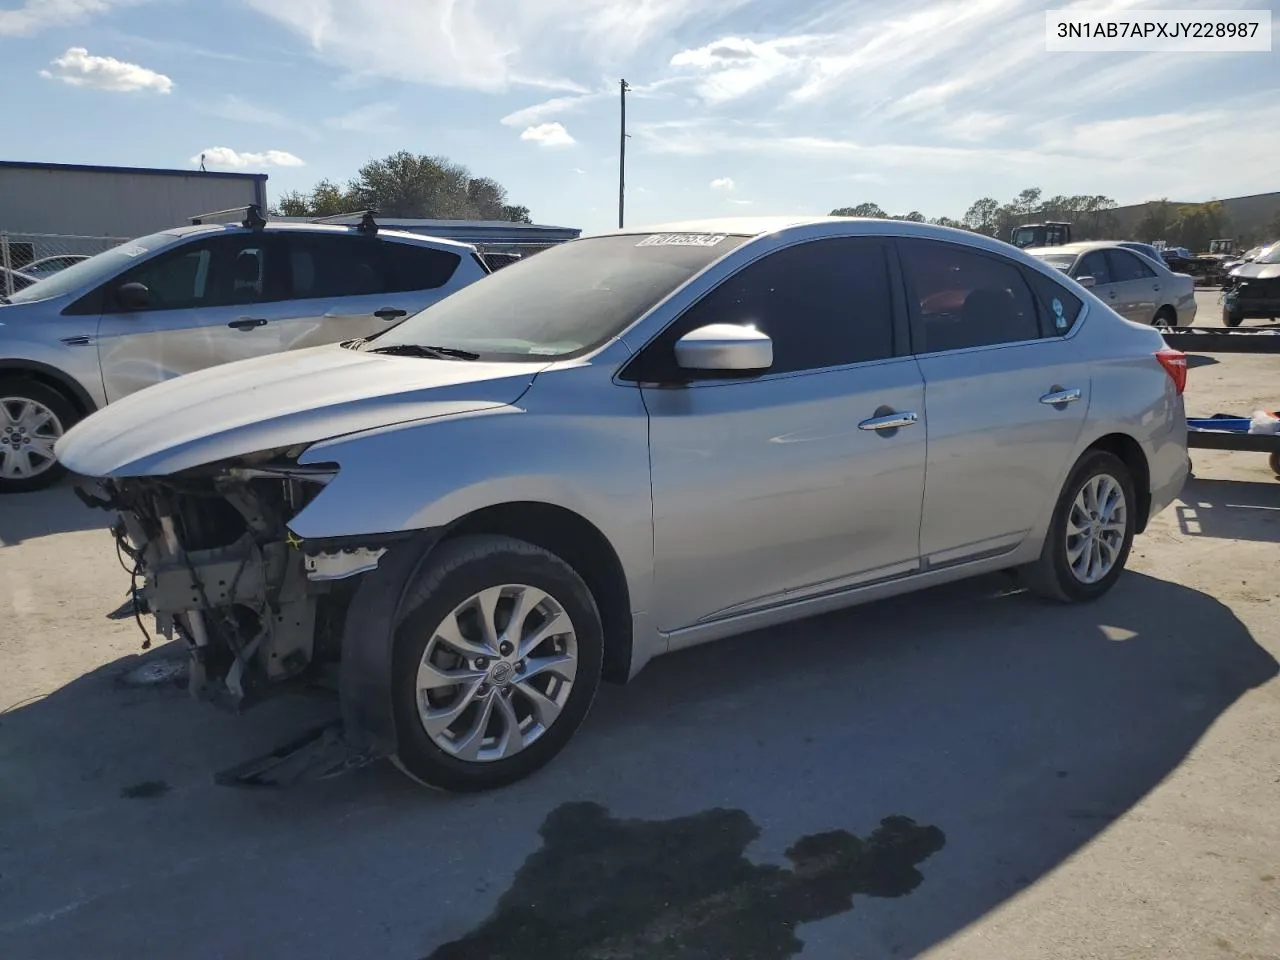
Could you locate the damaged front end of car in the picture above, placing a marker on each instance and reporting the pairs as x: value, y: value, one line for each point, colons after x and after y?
x: 213, y: 560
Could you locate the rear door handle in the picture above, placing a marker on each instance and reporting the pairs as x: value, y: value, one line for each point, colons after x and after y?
x: 1059, y: 397
x: 890, y: 421
x: 247, y: 323
x: 390, y: 313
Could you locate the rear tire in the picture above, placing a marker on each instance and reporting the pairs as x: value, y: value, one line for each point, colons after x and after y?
x: 1093, y: 521
x: 1231, y: 319
x: 1274, y: 462
x: 514, y: 707
x: 1166, y: 318
x: 32, y: 417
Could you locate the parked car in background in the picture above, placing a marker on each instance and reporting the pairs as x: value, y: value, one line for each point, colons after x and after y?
x: 47, y: 266
x: 15, y: 280
x: 1146, y: 249
x: 194, y: 297
x: 1247, y: 257
x: 627, y: 445
x: 1253, y: 290
x: 1135, y: 286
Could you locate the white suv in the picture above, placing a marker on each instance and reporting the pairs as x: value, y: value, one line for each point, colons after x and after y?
x: 193, y: 297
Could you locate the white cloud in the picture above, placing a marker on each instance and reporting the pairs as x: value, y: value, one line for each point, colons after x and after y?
x: 486, y: 44
x: 80, y: 69
x: 239, y: 110
x: 548, y: 135
x: 734, y: 67
x: 373, y: 118
x: 723, y: 183
x: 578, y: 170
x: 33, y: 16
x: 550, y: 109
x: 226, y: 157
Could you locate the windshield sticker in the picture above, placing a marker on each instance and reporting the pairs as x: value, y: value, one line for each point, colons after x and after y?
x: 1060, y: 319
x: 683, y: 240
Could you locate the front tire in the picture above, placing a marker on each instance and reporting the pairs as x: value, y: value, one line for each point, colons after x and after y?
x: 495, y: 666
x: 1231, y: 319
x: 32, y: 419
x: 1090, y: 534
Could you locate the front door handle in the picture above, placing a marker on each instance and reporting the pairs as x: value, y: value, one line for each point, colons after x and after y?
x: 891, y: 421
x: 390, y: 313
x: 247, y: 323
x: 1058, y: 397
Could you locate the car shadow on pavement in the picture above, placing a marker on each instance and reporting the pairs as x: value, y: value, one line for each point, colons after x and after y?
x: 1000, y: 733
x: 29, y: 516
x: 1229, y: 510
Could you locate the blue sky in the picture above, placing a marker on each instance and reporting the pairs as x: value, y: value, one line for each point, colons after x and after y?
x: 739, y: 106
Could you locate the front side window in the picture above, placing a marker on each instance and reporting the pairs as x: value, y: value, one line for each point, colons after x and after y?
x: 221, y: 271
x: 1125, y: 266
x: 1094, y: 265
x: 90, y: 272
x: 823, y: 303
x: 964, y: 298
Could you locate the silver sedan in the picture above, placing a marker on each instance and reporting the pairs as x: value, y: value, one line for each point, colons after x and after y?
x: 1132, y: 285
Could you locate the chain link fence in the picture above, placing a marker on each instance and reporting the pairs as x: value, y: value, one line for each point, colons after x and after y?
x: 26, y: 258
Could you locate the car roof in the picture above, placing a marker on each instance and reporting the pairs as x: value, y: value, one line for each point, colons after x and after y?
x: 818, y: 226
x: 279, y: 226
x: 1080, y: 246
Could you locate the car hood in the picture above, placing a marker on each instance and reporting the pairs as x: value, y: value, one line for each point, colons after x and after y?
x: 276, y: 401
x: 1257, y: 271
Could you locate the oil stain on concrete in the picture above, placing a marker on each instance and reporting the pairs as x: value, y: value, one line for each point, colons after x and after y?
x: 684, y: 888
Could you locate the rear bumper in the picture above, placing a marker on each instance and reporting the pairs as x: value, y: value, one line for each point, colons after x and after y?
x: 1170, y: 465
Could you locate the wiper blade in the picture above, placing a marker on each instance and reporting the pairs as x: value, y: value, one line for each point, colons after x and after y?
x: 421, y: 350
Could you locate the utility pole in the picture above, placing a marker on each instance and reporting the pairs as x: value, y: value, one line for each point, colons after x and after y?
x: 622, y: 155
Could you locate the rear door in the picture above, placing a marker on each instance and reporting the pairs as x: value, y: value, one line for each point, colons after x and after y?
x: 1005, y: 396
x: 212, y: 300
x: 348, y: 285
x: 1138, y: 285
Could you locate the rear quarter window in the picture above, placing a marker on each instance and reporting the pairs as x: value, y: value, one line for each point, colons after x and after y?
x: 1059, y: 308
x: 408, y: 266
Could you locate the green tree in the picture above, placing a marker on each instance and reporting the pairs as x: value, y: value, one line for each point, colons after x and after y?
x: 1194, y: 225
x: 981, y: 217
x: 915, y: 216
x: 861, y: 210
x: 405, y: 184
x: 1155, y: 221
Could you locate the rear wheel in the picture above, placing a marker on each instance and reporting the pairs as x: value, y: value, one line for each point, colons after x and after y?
x: 1274, y: 461
x: 1090, y: 534
x: 495, y: 666
x: 33, y: 417
x: 1166, y: 318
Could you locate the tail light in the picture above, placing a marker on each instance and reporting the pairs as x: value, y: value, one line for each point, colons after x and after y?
x: 1175, y: 365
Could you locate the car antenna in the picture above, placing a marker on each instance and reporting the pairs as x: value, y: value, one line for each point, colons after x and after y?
x: 251, y: 214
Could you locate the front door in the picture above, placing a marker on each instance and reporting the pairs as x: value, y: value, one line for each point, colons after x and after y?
x: 776, y: 488
x: 211, y: 301
x: 1005, y: 396
x: 1096, y: 264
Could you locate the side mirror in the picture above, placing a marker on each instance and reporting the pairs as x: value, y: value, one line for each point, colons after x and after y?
x: 133, y: 296
x: 1086, y: 282
x: 725, y: 347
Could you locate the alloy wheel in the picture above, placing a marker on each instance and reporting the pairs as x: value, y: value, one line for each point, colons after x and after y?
x: 496, y: 673
x: 1096, y: 526
x: 28, y: 431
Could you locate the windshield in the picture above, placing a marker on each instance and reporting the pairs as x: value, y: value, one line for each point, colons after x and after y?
x: 88, y: 273
x: 1024, y: 236
x: 565, y: 301
x: 1269, y: 255
x: 1059, y: 261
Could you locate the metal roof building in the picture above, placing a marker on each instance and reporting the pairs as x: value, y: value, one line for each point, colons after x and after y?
x: 96, y: 201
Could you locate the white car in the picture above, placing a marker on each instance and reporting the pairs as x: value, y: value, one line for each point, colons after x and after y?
x: 194, y: 297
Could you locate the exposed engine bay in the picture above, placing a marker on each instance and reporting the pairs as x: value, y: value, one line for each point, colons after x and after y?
x: 213, y: 560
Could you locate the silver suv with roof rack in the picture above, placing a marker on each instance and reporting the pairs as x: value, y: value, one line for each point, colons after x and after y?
x: 193, y: 297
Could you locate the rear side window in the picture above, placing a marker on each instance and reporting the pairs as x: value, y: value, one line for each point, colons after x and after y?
x: 963, y: 298
x: 410, y: 267
x: 1127, y: 266
x: 1059, y: 307
x: 337, y: 265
